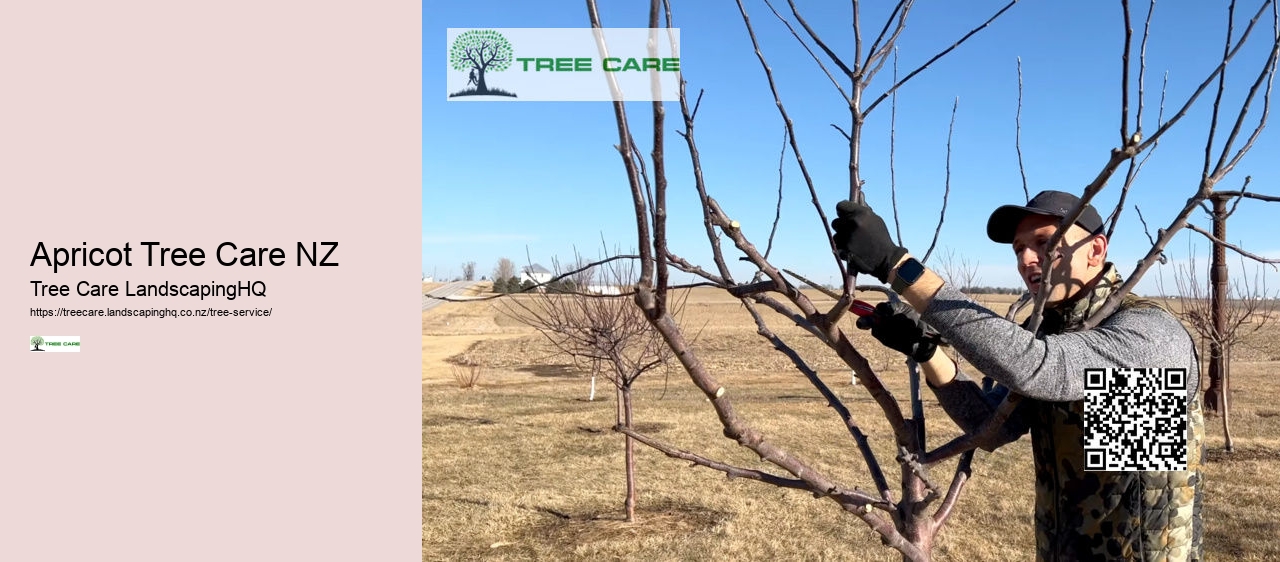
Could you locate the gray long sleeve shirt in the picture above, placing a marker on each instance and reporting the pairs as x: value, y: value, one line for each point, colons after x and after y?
x: 1049, y: 368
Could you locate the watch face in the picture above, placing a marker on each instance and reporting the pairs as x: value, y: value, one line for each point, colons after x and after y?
x: 910, y: 271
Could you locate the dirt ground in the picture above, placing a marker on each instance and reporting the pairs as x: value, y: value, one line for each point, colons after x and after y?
x: 525, y: 467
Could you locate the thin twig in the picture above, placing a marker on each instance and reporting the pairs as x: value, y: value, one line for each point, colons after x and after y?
x: 700, y: 184
x: 875, y: 45
x: 1132, y: 175
x: 1222, y: 86
x: 1237, y: 249
x: 1250, y: 195
x: 791, y: 135
x: 828, y: 51
x: 893, y: 132
x: 1017, y: 139
x: 944, y: 52
x: 684, y: 265
x: 1124, y: 75
x: 782, y: 155
x: 1145, y: 229
x: 877, y: 55
x: 947, y: 191
x: 1200, y: 89
x: 857, y: 36
x: 1236, y: 203
x: 1142, y: 68
x: 1268, y: 74
x: 644, y: 174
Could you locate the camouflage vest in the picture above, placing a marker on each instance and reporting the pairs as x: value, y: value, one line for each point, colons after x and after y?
x: 1087, y: 516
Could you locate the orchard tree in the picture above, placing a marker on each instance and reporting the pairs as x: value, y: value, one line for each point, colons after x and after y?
x: 907, y: 519
x: 608, y: 333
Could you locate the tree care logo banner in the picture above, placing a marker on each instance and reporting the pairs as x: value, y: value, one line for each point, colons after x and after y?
x: 56, y: 344
x: 563, y: 64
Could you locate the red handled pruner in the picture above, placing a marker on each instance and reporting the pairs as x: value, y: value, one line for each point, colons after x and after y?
x: 862, y: 308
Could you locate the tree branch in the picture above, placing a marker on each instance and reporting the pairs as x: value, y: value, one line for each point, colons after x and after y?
x: 816, y: 39
x: 1268, y: 74
x: 1017, y: 139
x: 1222, y: 84
x: 1124, y: 75
x: 791, y: 134
x: 1132, y: 175
x: 944, y: 52
x: 778, y: 212
x: 864, y: 446
x: 1199, y: 90
x: 947, y: 192
x: 876, y: 55
x: 1233, y: 247
x: 625, y: 147
x: 893, y: 133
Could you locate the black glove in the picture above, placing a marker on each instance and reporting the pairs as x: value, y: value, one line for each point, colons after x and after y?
x: 862, y: 238
x: 898, y: 327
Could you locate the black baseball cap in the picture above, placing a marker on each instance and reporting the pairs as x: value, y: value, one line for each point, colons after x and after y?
x: 1003, y: 223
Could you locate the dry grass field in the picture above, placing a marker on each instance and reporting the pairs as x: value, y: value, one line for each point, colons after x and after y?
x: 524, y: 467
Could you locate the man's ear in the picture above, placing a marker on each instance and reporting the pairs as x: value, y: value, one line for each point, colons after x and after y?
x: 1098, y: 250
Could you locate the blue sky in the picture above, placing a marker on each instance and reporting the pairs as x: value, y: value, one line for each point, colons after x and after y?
x: 533, y: 181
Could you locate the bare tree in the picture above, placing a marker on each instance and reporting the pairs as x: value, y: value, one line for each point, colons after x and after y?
x: 504, y: 269
x: 1216, y: 395
x: 1221, y: 324
x: 607, y: 333
x: 469, y: 271
x: 958, y: 270
x: 904, y: 522
x: 585, y: 274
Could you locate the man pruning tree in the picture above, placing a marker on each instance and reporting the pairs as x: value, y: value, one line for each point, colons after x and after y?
x: 1080, y: 515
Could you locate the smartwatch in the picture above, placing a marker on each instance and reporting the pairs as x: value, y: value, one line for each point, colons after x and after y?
x: 908, y: 273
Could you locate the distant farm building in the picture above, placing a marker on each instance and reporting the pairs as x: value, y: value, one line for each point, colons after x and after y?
x: 535, y: 273
x: 604, y: 289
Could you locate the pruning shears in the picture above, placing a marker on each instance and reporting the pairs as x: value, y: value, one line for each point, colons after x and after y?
x: 864, y: 309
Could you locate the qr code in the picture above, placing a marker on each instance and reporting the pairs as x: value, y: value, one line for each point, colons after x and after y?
x: 1135, y: 419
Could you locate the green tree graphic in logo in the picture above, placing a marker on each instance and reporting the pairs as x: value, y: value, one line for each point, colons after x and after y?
x: 478, y: 52
x: 36, y: 341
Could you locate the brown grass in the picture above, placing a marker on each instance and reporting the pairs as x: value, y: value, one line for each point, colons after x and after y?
x: 527, y: 469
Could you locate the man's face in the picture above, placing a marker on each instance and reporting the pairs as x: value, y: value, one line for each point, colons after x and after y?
x: 1082, y: 257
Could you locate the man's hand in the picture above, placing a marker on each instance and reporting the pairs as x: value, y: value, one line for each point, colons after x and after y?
x: 863, y: 240
x: 898, y: 327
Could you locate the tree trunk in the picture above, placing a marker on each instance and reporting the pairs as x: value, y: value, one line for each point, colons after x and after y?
x: 480, y: 85
x: 592, y: 396
x: 916, y: 524
x: 1214, y: 396
x: 1226, y: 405
x: 631, y: 459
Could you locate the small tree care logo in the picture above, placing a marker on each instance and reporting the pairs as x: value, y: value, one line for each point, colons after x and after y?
x: 478, y: 52
x: 54, y: 343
